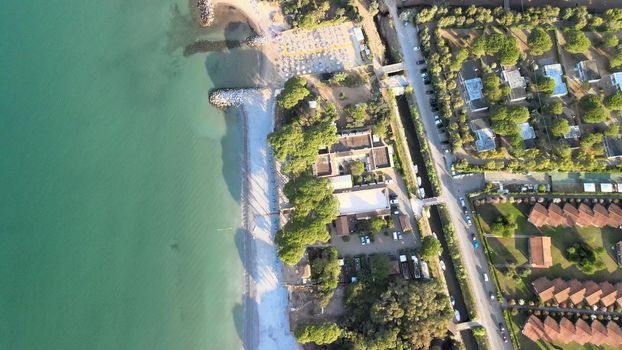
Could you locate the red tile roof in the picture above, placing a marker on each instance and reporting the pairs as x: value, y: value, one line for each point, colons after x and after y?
x: 592, y: 293
x: 540, y: 252
x: 576, y: 292
x: 565, y: 331
x: 544, y: 288
x: 554, y: 216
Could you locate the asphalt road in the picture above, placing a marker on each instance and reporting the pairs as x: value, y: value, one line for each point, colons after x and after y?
x: 489, y: 311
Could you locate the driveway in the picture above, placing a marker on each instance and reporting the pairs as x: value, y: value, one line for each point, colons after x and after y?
x: 489, y: 312
x: 382, y: 243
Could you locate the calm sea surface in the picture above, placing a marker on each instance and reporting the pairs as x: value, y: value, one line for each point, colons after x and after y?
x: 119, y: 183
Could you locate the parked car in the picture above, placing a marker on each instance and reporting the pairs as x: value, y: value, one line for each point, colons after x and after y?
x: 395, y: 210
x: 420, y: 62
x: 485, y: 275
x: 416, y: 48
x: 367, y: 240
x: 457, y: 315
x: 442, y: 263
x: 434, y: 235
x: 399, y: 235
x: 462, y: 202
x: 427, y: 81
x: 434, y: 109
x: 393, y: 201
x: 423, y: 70
x: 491, y: 295
x: 363, y: 240
x: 452, y: 300
x: 501, y: 327
x: 424, y: 75
x: 395, y: 235
x: 429, y: 92
x: 467, y: 218
x: 504, y: 337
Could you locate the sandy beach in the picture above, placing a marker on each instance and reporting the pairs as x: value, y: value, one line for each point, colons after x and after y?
x: 266, y: 325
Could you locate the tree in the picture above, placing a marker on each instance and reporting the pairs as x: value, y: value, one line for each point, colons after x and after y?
x: 377, y: 224
x: 560, y: 127
x: 406, y: 315
x: 502, y: 46
x: 593, y: 111
x: 325, y: 272
x: 357, y: 115
x: 576, y: 41
x: 321, y: 334
x: 492, y: 87
x: 295, y: 90
x: 380, y: 267
x: 539, y: 41
x: 555, y: 107
x: 430, y: 247
x: 613, y: 130
x: 504, y: 226
x: 357, y: 168
x: 584, y: 257
x: 614, y: 101
x: 610, y: 39
x: 545, y: 85
x: 616, y: 59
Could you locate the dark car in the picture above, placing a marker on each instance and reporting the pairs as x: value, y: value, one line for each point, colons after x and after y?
x: 434, y: 109
x: 427, y: 82
x: 423, y: 70
x: 421, y: 62
x: 429, y: 92
x: 501, y: 328
x: 433, y: 103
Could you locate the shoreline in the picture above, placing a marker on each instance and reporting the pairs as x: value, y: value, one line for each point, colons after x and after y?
x: 266, y: 319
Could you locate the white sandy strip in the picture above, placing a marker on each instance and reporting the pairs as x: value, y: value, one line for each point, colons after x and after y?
x: 267, y: 291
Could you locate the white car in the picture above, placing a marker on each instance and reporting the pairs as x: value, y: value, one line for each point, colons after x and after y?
x: 442, y: 263
x: 393, y: 201
x: 452, y: 300
x: 457, y: 315
x: 363, y: 240
x: 399, y: 235
x: 395, y: 235
x: 367, y: 240
x: 416, y: 48
x: 485, y: 277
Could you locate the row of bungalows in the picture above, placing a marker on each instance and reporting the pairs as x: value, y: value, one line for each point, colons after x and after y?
x: 569, y: 215
x: 566, y: 331
x: 577, y: 292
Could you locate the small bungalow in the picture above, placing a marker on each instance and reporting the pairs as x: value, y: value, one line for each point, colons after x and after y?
x: 588, y: 71
x: 555, y: 72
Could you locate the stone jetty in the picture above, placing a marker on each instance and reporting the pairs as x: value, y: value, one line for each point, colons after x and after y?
x: 225, y: 98
x: 206, y: 12
x: 255, y: 41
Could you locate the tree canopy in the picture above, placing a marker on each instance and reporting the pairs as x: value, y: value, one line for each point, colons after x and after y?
x: 614, y: 101
x: 430, y: 247
x: 492, y: 89
x: 325, y: 272
x: 502, y: 46
x: 356, y: 115
x: 584, y: 256
x: 314, y: 208
x: 560, y: 127
x: 295, y: 90
x: 321, y: 333
x: 576, y: 41
x: 539, y: 41
x: 504, y: 226
x: 545, y: 85
x: 555, y: 107
x: 610, y: 39
x: 407, y: 315
x: 593, y: 110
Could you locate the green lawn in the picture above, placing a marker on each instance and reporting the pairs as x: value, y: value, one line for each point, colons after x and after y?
x: 514, y: 250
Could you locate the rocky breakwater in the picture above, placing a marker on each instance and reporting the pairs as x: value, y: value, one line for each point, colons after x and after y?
x: 255, y: 41
x: 225, y: 98
x: 206, y: 12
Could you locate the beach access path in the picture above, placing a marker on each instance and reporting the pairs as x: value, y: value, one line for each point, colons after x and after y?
x: 266, y: 323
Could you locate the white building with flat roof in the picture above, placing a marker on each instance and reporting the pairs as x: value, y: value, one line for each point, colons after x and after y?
x: 616, y: 80
x: 341, y: 182
x: 363, y: 200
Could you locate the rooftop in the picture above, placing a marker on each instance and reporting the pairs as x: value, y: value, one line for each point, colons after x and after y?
x: 485, y: 140
x: 526, y: 131
x: 616, y: 80
x: 588, y: 71
x: 540, y: 252
x: 362, y: 200
x: 597, y: 216
x: 566, y: 331
x: 555, y: 72
x: 613, y: 147
x: 516, y: 82
x: 341, y: 182
x: 574, y: 133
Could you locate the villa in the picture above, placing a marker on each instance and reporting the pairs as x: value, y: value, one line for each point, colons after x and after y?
x: 555, y: 72
x: 579, y: 331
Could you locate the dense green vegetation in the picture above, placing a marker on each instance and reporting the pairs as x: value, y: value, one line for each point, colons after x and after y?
x: 502, y: 46
x: 314, y: 208
x: 585, y: 257
x: 614, y: 101
x: 539, y: 41
x: 610, y: 40
x: 544, y: 85
x: 593, y: 110
x: 310, y: 14
x: 325, y: 272
x: 555, y: 107
x: 320, y: 334
x: 356, y: 115
x: 576, y: 41
x: 430, y: 247
x: 504, y: 225
x: 404, y: 315
x: 493, y: 88
x: 294, y: 91
x: 504, y: 122
x: 560, y: 127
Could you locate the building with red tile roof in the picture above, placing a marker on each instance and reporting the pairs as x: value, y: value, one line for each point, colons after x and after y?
x: 582, y: 216
x: 566, y: 332
x: 577, y: 292
x: 540, y: 252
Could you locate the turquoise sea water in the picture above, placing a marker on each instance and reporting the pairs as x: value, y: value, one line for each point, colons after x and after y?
x: 119, y: 184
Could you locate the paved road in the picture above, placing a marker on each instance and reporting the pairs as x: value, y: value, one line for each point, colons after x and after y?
x: 560, y: 309
x: 489, y: 312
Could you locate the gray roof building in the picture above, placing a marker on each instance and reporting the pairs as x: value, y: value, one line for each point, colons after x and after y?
x: 517, y: 83
x: 588, y: 71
